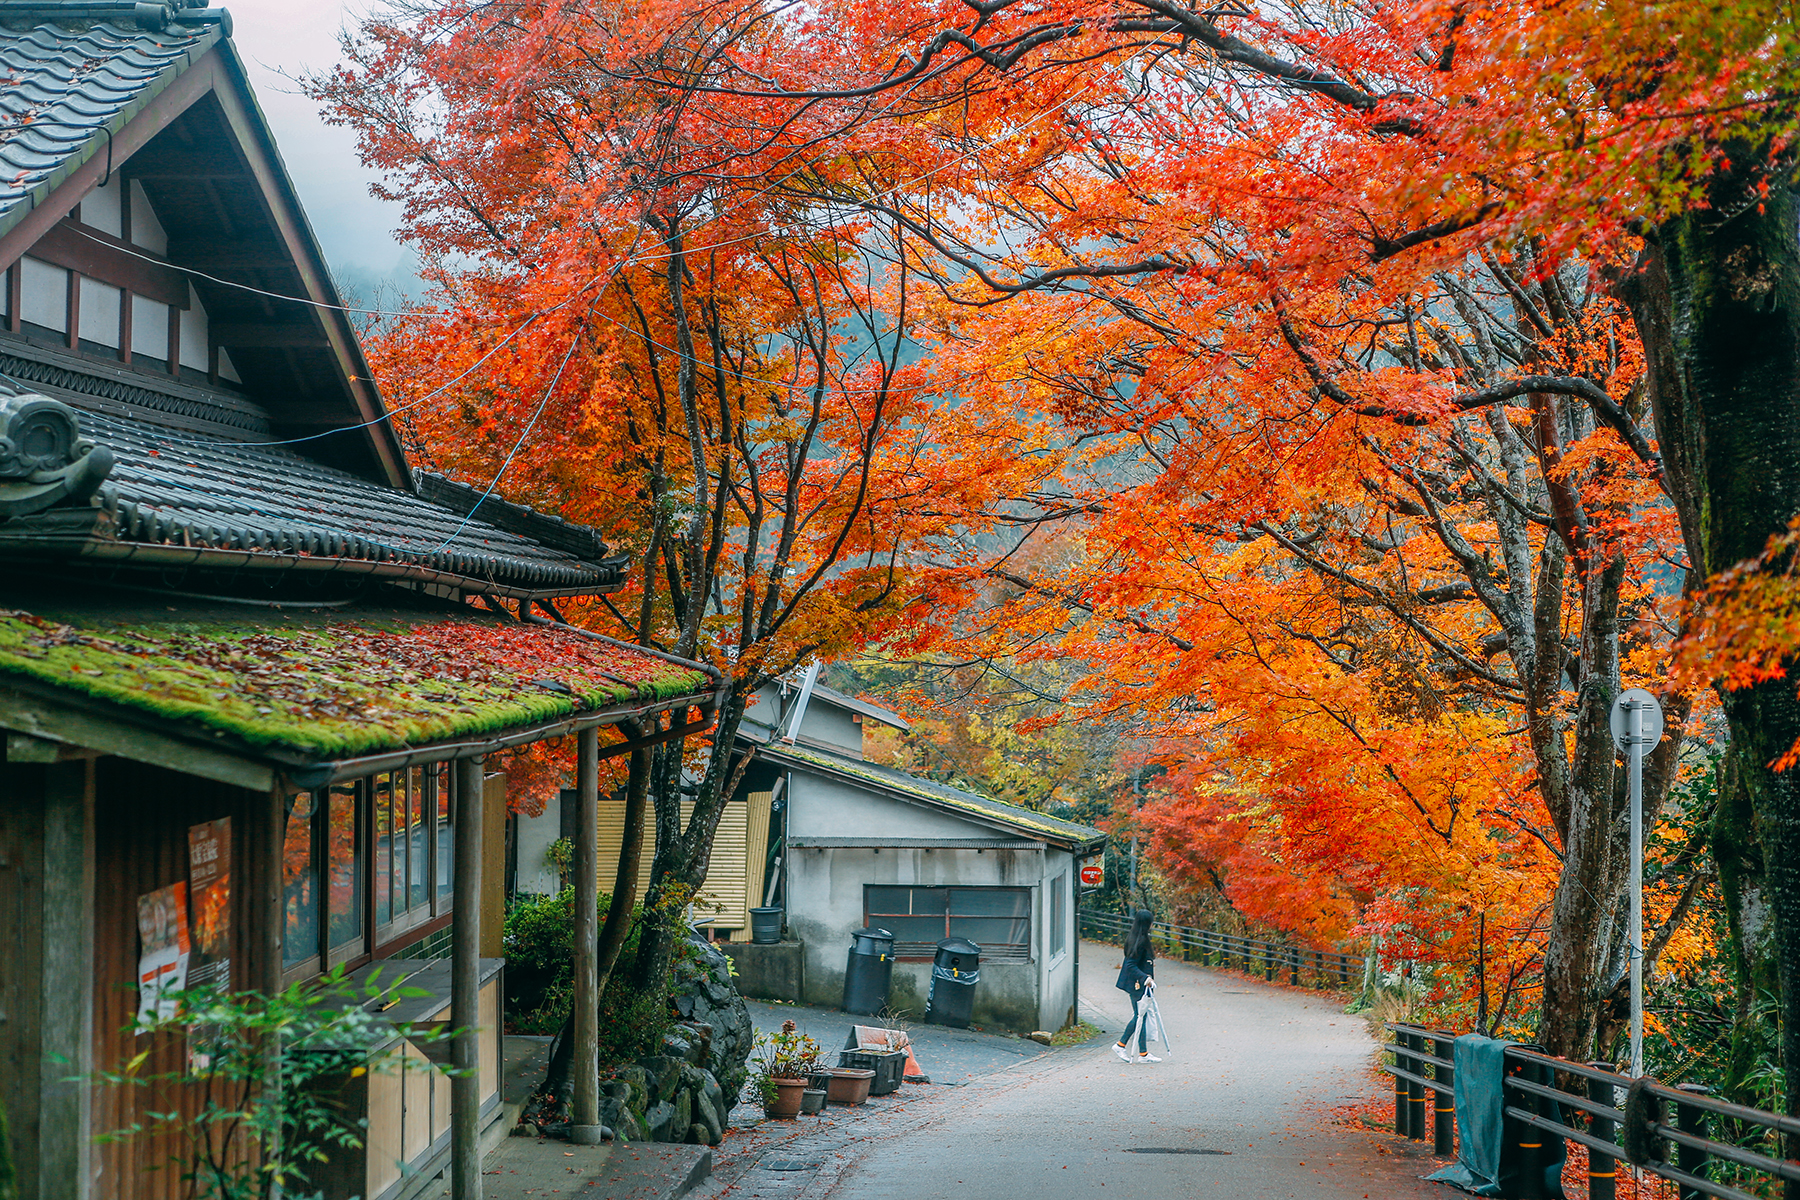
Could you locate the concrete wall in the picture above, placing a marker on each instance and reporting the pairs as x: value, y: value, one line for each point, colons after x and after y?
x: 826, y: 808
x: 825, y: 904
x: 534, y: 874
x: 769, y: 972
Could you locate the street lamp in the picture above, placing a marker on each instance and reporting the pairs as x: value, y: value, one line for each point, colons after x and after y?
x: 1637, y: 725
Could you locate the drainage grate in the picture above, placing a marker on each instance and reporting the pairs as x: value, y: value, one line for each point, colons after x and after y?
x: 790, y: 1164
x: 1172, y: 1150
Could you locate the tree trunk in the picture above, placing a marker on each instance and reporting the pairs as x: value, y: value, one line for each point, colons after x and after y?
x: 1716, y: 299
x: 1737, y: 853
x: 683, y: 855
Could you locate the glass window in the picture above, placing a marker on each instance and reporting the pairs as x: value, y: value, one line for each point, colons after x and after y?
x: 384, y: 851
x: 418, y: 840
x: 344, y: 856
x: 299, y: 884
x: 995, y: 918
x: 446, y: 834
x: 1059, y: 913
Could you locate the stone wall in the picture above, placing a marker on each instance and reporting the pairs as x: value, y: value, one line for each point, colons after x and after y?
x: 686, y: 1093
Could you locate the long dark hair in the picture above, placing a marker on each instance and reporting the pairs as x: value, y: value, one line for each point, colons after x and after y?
x: 1137, y: 942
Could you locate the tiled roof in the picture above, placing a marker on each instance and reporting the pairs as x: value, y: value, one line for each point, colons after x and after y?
x: 1068, y: 834
x: 62, y: 84
x: 324, y: 685
x: 181, y: 492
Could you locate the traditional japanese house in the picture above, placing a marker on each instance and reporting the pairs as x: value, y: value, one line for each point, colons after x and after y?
x: 254, y: 670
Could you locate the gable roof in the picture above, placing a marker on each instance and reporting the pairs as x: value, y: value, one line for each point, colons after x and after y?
x: 158, y: 95
x: 182, y: 501
x: 65, y: 86
x: 912, y: 789
x: 874, y: 712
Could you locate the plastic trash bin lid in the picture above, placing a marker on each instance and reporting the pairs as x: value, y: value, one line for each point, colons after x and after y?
x: 958, y: 945
x: 873, y: 934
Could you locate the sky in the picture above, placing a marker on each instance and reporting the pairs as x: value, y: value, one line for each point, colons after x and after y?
x: 282, y: 38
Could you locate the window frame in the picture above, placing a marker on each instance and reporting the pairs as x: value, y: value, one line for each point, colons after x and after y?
x: 912, y: 951
x: 374, y: 938
x: 1056, y: 945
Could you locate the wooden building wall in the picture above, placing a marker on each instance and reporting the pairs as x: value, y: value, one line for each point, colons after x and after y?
x: 142, y: 816
x: 21, y: 949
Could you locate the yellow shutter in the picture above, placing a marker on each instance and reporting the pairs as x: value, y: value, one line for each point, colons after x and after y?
x: 735, y: 872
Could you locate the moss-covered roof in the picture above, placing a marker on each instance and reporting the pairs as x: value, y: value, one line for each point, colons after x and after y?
x: 332, y: 684
x: 941, y: 795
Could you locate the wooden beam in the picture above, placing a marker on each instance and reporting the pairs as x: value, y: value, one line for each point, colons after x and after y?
x: 465, y: 984
x: 99, y: 255
x: 46, y: 719
x: 584, y: 1123
x: 268, y: 335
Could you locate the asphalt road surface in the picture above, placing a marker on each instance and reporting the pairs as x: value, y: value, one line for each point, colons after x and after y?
x: 1239, y: 1107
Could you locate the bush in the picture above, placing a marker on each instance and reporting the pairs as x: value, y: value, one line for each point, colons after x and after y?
x: 540, y: 979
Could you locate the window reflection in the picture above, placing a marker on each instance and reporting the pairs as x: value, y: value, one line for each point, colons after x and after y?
x: 299, y: 884
x: 344, y: 854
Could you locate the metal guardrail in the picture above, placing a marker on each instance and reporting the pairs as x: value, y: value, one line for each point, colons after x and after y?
x: 1325, y: 968
x: 1596, y: 1116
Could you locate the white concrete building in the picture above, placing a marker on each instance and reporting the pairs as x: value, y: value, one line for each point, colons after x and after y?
x: 864, y: 844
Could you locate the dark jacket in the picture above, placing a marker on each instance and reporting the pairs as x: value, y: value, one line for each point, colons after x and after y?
x: 1133, y: 975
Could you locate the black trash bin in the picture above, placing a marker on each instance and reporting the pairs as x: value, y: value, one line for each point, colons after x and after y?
x: 954, y: 973
x: 869, y: 972
x: 765, y: 926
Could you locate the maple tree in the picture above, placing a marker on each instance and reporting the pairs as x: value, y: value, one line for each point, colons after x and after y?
x: 1324, y: 302
x: 672, y: 352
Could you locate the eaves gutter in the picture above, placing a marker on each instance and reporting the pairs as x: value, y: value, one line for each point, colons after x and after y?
x: 146, y: 554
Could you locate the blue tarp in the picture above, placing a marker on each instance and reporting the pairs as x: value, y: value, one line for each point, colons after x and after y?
x: 1500, y: 1155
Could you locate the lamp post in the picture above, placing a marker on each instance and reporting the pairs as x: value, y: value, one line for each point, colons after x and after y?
x: 1637, y: 725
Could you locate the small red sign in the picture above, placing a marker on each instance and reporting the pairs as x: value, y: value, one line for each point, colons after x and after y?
x: 1092, y: 874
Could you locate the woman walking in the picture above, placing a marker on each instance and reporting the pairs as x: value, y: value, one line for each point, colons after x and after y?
x: 1135, y: 978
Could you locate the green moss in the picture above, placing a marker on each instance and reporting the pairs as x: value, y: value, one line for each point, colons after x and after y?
x: 338, y: 688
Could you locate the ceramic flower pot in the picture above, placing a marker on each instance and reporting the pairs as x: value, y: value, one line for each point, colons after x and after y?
x: 788, y: 1097
x: 812, y: 1102
x: 849, y: 1085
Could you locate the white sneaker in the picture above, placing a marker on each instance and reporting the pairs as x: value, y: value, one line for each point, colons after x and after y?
x: 1147, y: 1057
x: 1119, y: 1049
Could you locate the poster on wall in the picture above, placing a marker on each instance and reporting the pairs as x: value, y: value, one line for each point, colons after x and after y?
x: 163, y: 953
x: 209, y: 908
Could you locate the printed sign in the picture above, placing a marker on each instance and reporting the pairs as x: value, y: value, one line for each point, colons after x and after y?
x: 163, y: 957
x: 1092, y: 874
x: 209, y: 908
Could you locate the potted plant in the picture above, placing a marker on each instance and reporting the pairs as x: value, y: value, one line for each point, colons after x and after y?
x: 781, y: 1063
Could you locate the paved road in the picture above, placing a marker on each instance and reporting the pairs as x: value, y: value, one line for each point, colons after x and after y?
x: 1237, y: 1109
x: 947, y: 1056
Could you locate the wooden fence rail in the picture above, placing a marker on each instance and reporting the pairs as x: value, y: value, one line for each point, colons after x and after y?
x: 1303, y: 968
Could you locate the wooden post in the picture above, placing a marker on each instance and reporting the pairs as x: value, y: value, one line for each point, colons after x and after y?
x: 65, y: 1163
x: 584, y: 1123
x: 465, y: 986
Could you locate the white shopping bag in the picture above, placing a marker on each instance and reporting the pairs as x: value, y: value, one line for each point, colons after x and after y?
x: 1151, y: 1016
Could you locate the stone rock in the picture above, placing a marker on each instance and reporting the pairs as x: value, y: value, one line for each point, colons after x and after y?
x: 675, y: 1044
x: 684, y: 1117
x: 658, y: 1120
x: 712, y: 1100
x: 1040, y: 1037
x: 704, y: 995
x: 663, y: 1072
x: 700, y: 1135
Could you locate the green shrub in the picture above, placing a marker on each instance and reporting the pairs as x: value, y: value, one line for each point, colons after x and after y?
x: 540, y: 979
